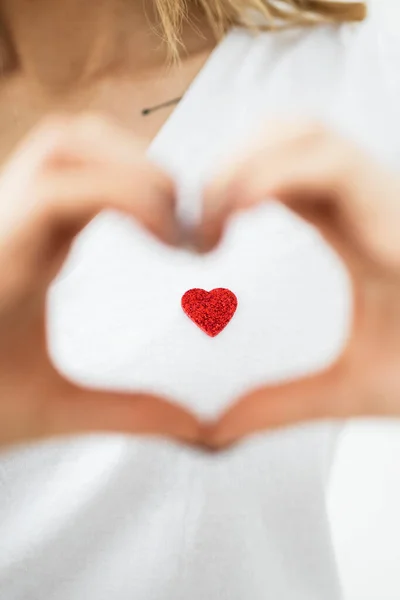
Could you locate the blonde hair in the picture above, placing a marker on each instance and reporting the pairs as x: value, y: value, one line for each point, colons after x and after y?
x: 223, y: 14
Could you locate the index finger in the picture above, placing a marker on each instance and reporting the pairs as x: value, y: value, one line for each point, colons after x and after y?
x: 301, y: 171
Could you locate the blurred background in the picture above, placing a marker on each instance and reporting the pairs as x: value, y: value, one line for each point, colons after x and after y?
x: 364, y: 500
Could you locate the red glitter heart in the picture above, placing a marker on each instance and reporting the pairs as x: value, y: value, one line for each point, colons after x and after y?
x: 211, y: 311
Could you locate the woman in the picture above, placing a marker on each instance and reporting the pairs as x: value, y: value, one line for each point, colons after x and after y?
x: 150, y: 517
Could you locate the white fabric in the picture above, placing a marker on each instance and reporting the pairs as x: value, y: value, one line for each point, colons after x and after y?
x: 121, y: 518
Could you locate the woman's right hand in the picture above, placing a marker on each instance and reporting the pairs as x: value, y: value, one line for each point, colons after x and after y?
x: 68, y: 171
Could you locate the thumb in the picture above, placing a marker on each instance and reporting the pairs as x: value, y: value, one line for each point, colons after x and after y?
x: 321, y: 396
x: 82, y: 410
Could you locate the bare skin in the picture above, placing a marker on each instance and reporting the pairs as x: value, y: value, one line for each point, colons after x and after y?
x: 105, y: 57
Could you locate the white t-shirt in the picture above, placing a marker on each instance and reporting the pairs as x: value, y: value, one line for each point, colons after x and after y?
x: 117, y: 518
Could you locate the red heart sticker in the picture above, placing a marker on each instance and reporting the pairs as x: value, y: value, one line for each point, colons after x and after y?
x: 211, y: 311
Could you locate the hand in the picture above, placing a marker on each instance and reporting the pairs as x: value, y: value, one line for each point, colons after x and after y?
x: 355, y: 204
x: 61, y: 178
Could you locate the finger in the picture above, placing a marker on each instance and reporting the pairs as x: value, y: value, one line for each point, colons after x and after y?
x: 314, y: 175
x: 18, y: 173
x: 96, y: 138
x: 64, y: 204
x: 267, y: 173
x: 67, y: 140
x: 84, y: 142
x: 77, y: 196
x: 322, y: 396
x: 80, y: 411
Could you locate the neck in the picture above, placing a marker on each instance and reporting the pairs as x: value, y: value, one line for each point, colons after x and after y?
x: 62, y: 42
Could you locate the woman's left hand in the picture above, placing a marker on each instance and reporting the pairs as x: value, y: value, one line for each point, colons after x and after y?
x: 355, y: 204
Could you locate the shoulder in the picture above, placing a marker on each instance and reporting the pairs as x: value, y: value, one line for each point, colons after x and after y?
x: 358, y: 54
x: 384, y: 16
x: 347, y: 75
x: 378, y: 34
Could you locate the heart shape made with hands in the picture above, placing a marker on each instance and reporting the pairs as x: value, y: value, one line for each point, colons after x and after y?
x: 305, y: 167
